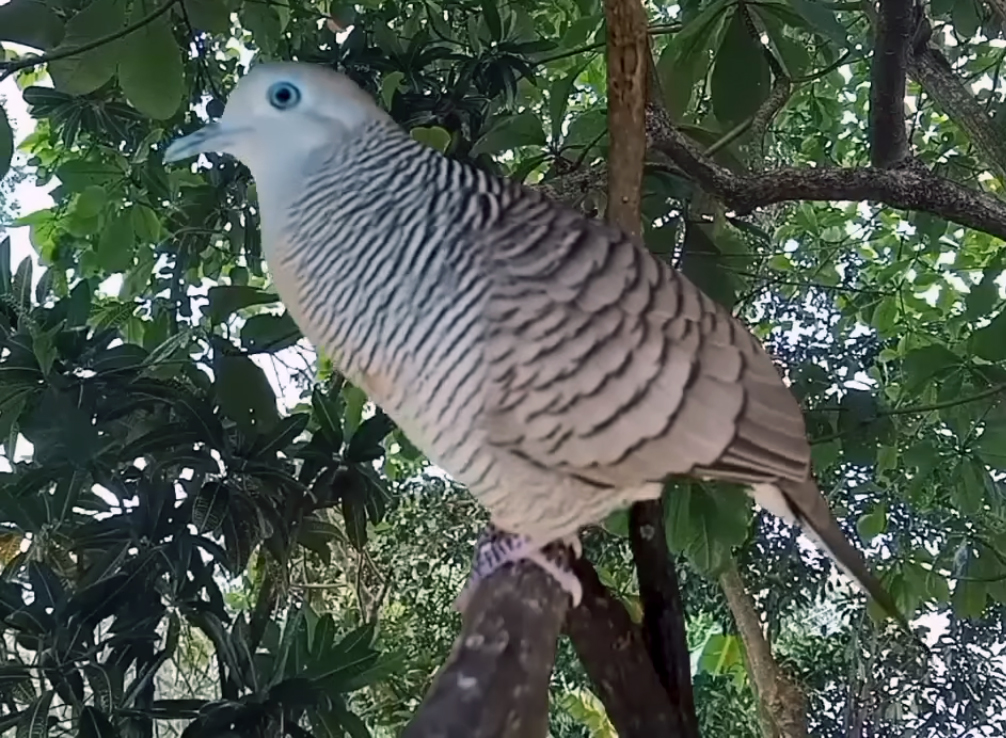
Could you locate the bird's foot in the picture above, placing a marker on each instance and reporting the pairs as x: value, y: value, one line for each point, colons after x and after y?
x: 496, y: 548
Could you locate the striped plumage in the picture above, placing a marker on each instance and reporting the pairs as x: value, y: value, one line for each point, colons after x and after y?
x: 545, y: 360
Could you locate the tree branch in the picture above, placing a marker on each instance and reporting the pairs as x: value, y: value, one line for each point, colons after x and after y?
x: 628, y: 50
x: 495, y: 682
x: 663, y: 611
x: 33, y: 60
x: 910, y: 188
x: 611, y: 649
x: 894, y: 31
x: 784, y: 713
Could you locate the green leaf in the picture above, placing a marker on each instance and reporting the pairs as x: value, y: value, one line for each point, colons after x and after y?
x: 282, y: 435
x: 150, y: 64
x: 433, y: 136
x: 390, y: 84
x: 21, y: 284
x: 967, y: 18
x: 558, y: 99
x: 922, y: 364
x: 212, y: 16
x: 721, y: 654
x: 244, y: 393
x: 491, y: 15
x: 873, y: 523
x: 78, y: 175
x: 969, y: 491
x: 34, y: 722
x: 990, y: 342
x: 210, y: 506
x: 706, y: 523
x: 365, y: 444
x: 983, y: 296
x: 225, y: 300
x: 510, y: 132
x: 30, y: 23
x: 6, y: 141
x: 116, y: 244
x: 267, y: 333
x: 85, y: 72
x: 822, y: 19
x: 679, y: 72
x: 266, y: 22
x: 95, y: 724
x: 991, y: 446
x: 740, y: 79
x: 327, y: 411
x: 694, y: 38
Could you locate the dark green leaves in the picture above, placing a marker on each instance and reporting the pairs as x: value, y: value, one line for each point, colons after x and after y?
x: 225, y: 300
x: 31, y: 23
x: 989, y: 342
x: 510, y: 132
x: 268, y: 333
x: 741, y: 78
x: 150, y: 64
x: 822, y: 19
x: 706, y: 522
x: 6, y: 141
x: 85, y: 72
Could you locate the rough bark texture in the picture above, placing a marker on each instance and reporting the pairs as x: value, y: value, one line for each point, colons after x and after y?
x: 909, y: 188
x: 892, y: 46
x: 495, y: 682
x: 784, y: 706
x: 611, y: 648
x: 663, y: 611
x: 628, y: 49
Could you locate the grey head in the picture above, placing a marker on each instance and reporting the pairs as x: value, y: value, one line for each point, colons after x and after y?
x: 279, y: 116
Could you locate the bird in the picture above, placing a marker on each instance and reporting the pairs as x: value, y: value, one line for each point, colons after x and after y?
x: 543, y: 358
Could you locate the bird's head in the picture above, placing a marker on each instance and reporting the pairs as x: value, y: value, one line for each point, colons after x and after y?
x: 281, y: 112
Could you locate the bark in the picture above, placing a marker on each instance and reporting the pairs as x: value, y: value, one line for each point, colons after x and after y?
x: 783, y: 712
x: 894, y: 32
x: 615, y: 657
x: 628, y: 51
x: 663, y: 611
x: 495, y: 682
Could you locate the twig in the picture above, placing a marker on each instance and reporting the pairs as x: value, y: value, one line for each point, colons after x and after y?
x: 33, y: 60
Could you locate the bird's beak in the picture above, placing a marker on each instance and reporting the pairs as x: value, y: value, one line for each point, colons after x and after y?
x: 213, y: 136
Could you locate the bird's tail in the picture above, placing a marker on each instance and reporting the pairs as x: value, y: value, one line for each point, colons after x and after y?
x: 811, y: 510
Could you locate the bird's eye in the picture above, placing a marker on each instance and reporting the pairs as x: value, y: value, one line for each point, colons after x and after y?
x: 284, y: 95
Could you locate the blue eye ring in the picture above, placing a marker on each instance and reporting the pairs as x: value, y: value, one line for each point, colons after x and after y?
x: 283, y: 95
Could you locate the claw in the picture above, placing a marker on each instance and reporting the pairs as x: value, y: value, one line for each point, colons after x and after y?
x: 495, y: 549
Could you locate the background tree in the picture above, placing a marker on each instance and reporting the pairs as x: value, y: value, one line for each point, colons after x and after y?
x: 205, y: 529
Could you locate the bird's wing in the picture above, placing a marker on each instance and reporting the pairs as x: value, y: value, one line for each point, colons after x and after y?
x: 608, y: 365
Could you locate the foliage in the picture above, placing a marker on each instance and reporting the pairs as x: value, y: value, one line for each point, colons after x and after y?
x: 169, y: 499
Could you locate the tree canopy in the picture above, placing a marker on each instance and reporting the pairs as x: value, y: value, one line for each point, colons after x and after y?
x: 204, y: 528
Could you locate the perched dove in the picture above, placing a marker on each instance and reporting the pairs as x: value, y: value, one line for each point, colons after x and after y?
x: 544, y: 359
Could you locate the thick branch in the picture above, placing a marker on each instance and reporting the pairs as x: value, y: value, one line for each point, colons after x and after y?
x: 495, y: 682
x: 628, y: 51
x: 910, y: 188
x: 663, y: 611
x: 891, y: 49
x: 785, y: 706
x: 612, y: 651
